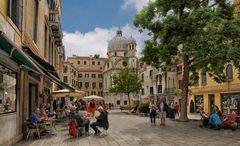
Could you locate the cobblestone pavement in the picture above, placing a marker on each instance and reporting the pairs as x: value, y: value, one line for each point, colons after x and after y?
x: 133, y: 130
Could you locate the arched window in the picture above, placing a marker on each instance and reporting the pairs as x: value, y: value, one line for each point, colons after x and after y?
x: 229, y: 72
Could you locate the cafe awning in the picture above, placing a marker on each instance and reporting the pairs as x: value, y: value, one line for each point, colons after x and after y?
x: 48, y: 67
x: 31, y: 63
x: 67, y: 93
x: 17, y: 54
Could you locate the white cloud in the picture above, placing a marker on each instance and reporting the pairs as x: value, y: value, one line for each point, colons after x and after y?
x: 138, y: 4
x: 96, y: 42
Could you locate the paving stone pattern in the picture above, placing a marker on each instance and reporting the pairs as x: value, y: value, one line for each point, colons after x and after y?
x: 133, y: 130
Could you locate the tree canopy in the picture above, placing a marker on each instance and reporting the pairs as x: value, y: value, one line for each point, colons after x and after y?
x: 204, y: 34
x: 126, y: 82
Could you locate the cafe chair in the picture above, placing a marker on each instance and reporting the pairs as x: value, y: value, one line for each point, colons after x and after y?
x: 30, y: 130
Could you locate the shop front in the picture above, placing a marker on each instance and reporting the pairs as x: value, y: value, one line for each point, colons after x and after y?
x: 15, y: 67
x: 231, y: 103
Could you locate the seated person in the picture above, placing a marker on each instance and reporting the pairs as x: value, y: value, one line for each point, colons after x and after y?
x: 81, y: 121
x: 102, y: 120
x: 34, y: 118
x: 215, y: 120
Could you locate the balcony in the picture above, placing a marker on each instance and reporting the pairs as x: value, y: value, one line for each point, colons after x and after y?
x: 55, y: 25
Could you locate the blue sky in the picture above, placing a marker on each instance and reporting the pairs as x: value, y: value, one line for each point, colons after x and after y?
x: 86, y: 15
x: 88, y: 25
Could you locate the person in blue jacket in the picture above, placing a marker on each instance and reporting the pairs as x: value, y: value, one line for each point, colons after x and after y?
x: 215, y: 120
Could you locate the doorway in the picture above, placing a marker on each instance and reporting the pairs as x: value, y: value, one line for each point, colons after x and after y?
x: 33, y: 97
x: 211, y: 101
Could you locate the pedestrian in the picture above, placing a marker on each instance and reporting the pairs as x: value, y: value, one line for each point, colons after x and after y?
x: 92, y: 107
x: 152, y: 112
x: 172, y: 111
x: 176, y: 108
x: 162, y: 111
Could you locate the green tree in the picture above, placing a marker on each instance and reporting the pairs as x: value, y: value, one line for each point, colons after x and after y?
x: 126, y: 82
x: 202, y: 33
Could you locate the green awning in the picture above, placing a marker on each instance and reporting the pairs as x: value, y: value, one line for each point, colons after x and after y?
x: 16, y: 53
x: 23, y: 59
x: 59, y: 82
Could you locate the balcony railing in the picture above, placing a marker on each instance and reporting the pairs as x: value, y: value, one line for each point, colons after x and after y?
x: 55, y: 25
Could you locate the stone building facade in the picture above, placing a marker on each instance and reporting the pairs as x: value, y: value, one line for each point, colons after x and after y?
x: 90, y: 75
x: 70, y: 75
x: 31, y: 59
x: 121, y: 54
x: 156, y: 83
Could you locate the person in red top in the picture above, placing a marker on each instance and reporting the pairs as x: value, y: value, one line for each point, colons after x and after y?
x: 176, y: 108
x: 92, y: 107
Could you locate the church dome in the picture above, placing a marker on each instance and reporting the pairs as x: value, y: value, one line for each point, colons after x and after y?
x: 118, y: 42
x: 131, y: 40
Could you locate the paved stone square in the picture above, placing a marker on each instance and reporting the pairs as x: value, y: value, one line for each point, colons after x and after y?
x: 134, y: 130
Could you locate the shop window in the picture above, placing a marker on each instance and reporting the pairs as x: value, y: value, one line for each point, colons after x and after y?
x: 231, y: 103
x: 229, y: 72
x: 199, y: 102
x: 8, y: 94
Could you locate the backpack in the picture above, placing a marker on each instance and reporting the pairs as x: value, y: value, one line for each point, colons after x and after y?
x: 72, y: 129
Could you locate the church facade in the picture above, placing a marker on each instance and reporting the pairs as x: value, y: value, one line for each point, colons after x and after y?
x: 121, y: 54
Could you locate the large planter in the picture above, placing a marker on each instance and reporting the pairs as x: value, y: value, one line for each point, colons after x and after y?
x: 144, y: 108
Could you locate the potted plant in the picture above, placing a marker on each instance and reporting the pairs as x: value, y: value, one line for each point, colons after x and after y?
x: 44, y: 95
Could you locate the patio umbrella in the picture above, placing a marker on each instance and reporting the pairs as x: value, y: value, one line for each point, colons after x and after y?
x: 95, y: 97
x: 67, y: 93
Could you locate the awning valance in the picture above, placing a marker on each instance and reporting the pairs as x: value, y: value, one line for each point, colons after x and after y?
x: 48, y: 69
x: 17, y: 54
x: 42, y: 62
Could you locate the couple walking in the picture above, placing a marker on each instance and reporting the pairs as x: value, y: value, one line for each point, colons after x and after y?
x: 161, y: 106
